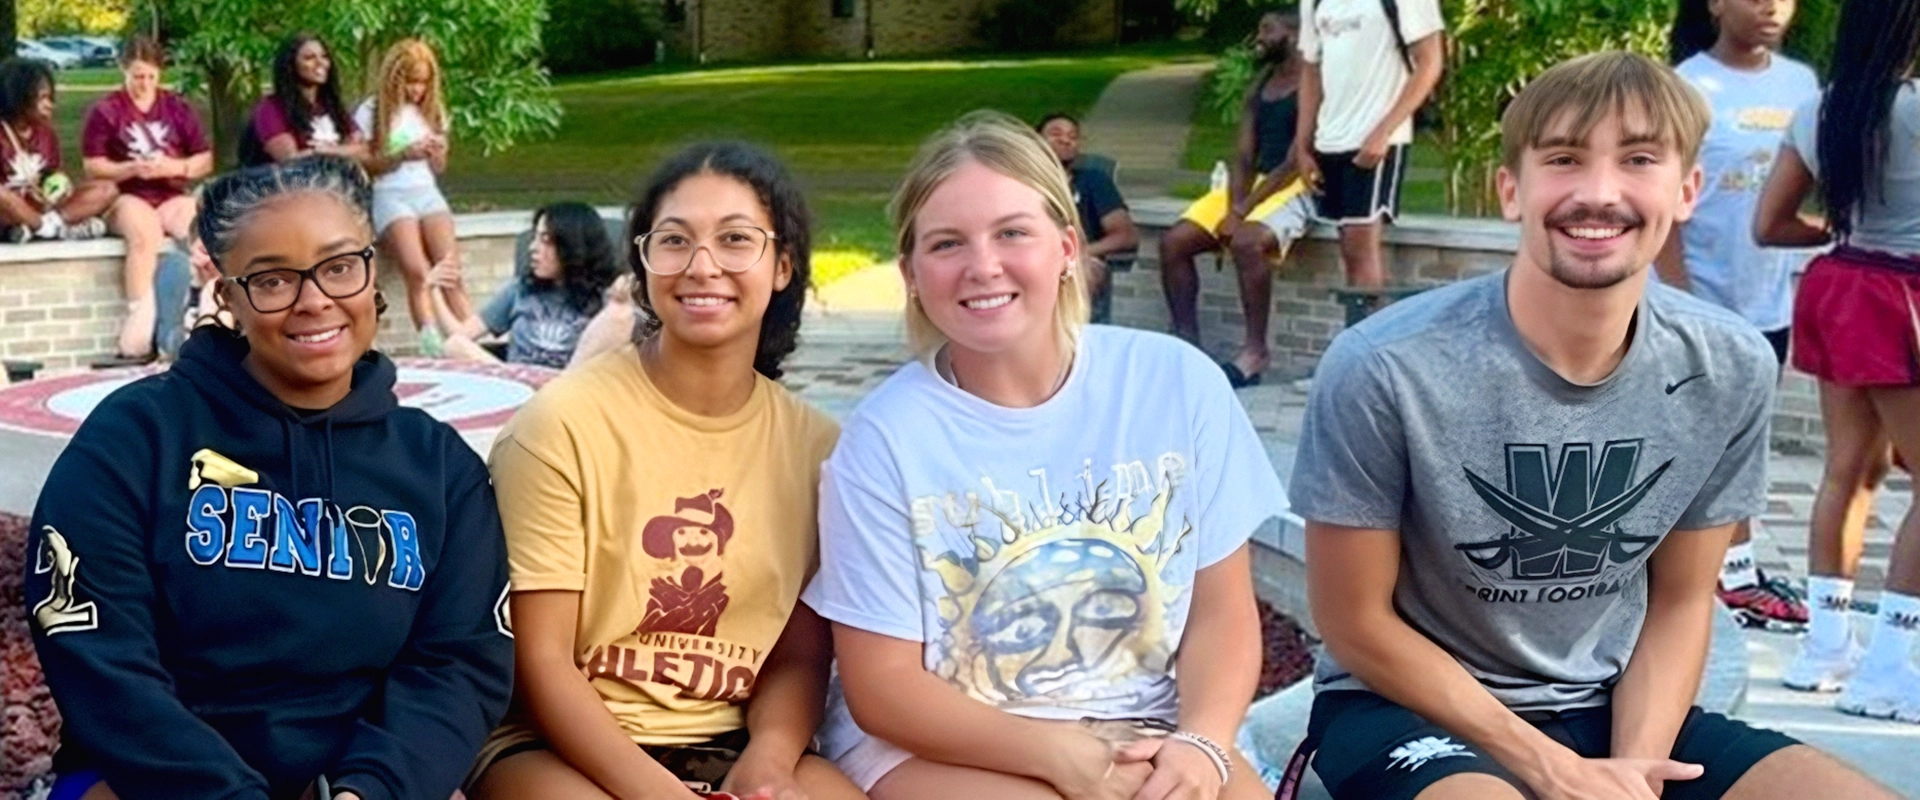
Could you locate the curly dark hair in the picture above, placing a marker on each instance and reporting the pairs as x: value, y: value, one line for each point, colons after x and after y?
x: 792, y: 230
x: 20, y: 80
x: 286, y: 94
x: 587, y: 265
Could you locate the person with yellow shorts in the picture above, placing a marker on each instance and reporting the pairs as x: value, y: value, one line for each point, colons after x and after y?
x: 1263, y: 188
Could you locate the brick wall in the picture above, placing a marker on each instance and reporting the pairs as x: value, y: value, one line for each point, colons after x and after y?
x: 910, y: 27
x: 815, y: 31
x: 60, y: 304
x: 1305, y: 317
x: 739, y: 30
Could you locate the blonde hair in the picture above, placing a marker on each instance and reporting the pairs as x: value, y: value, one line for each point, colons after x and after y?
x: 1586, y: 89
x: 400, y: 59
x: 1007, y: 146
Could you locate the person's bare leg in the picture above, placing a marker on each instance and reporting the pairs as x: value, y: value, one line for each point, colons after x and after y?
x: 1856, y: 445
x: 176, y: 217
x: 402, y: 241
x: 1470, y: 786
x: 1252, y: 244
x: 461, y: 348
x: 1178, y: 247
x: 16, y: 210
x: 919, y: 779
x: 1360, y: 254
x: 1800, y: 772
x: 1899, y: 411
x: 535, y: 775
x: 89, y: 199
x: 442, y: 245
x: 133, y: 220
x: 821, y: 780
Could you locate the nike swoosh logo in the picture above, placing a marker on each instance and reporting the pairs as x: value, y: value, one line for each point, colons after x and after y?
x: 1674, y: 387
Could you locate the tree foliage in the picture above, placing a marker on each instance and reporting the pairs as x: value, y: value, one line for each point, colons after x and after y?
x: 497, y: 90
x: 50, y: 17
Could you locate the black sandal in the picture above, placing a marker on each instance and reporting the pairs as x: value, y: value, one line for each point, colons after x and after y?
x: 1238, y: 379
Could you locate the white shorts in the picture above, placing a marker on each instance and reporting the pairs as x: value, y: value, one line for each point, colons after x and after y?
x: 397, y: 204
x: 869, y: 761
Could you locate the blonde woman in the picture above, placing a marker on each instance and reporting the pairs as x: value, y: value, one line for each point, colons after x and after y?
x: 1027, y: 532
x: 407, y: 121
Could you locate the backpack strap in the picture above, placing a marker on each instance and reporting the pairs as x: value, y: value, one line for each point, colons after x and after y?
x: 1392, y: 8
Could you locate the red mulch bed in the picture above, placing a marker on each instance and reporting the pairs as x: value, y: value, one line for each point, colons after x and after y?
x: 1289, y: 652
x: 29, y: 725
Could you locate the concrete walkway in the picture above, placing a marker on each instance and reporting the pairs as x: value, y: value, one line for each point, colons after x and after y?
x: 1142, y: 120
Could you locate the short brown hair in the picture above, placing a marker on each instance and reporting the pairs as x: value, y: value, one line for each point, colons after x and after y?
x: 1582, y: 91
x: 144, y: 48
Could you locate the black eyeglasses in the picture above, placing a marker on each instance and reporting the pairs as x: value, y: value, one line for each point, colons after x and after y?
x: 339, y: 277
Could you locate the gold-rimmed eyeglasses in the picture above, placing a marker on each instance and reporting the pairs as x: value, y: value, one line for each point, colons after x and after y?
x: 734, y: 249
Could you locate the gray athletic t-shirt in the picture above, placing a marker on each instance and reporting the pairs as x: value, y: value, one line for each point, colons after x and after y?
x: 1527, y: 505
x: 1887, y: 218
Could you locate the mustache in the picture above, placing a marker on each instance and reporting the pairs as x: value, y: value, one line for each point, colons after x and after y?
x: 1588, y: 217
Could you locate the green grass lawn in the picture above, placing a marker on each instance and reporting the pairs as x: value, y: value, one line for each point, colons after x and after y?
x: 1424, y: 192
x: 846, y: 129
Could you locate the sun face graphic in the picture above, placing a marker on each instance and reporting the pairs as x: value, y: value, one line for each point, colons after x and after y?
x: 1054, y: 612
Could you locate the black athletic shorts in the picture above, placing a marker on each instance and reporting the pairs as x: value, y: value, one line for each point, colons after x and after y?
x: 1780, y: 339
x: 1373, y: 749
x: 1350, y: 195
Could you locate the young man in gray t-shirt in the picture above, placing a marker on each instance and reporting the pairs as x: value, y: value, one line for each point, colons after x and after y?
x: 1519, y: 489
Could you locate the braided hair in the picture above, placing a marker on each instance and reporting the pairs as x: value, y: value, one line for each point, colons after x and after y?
x: 228, y: 200
x: 1873, y: 54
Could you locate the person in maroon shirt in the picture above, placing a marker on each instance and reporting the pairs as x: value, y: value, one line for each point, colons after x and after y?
x: 36, y: 199
x: 304, y: 114
x: 150, y: 142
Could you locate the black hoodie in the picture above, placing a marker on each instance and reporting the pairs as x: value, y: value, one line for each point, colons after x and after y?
x: 231, y: 597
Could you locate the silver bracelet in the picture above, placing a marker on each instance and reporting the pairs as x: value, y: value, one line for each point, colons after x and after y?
x: 1215, y: 753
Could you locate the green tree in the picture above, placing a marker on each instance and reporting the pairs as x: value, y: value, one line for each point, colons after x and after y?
x: 48, y: 17
x: 497, y: 91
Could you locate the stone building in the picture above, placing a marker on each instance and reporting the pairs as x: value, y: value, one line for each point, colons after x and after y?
x: 737, y: 30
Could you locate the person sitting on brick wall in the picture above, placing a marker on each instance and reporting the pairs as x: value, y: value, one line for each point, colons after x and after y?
x: 37, y: 200
x: 1112, y: 238
x: 150, y: 142
x: 1263, y: 188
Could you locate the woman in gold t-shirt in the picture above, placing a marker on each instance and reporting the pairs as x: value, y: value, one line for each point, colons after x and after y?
x: 659, y: 508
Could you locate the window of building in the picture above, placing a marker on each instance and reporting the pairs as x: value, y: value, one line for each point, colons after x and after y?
x: 843, y: 9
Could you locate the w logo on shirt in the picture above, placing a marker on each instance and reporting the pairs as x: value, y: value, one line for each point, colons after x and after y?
x: 1565, y: 523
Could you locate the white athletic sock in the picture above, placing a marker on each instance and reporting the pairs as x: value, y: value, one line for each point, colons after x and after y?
x: 1829, y: 601
x: 1892, y: 644
x: 1737, y: 571
x: 50, y: 225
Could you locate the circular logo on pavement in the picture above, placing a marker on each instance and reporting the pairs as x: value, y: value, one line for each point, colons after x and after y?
x: 468, y: 396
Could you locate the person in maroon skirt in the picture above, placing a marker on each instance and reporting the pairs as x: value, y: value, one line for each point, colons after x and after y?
x: 150, y: 142
x: 1856, y: 328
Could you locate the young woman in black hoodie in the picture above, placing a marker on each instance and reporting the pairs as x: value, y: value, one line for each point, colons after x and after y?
x: 255, y: 575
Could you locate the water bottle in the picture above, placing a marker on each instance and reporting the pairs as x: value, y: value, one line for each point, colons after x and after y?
x: 1220, y: 176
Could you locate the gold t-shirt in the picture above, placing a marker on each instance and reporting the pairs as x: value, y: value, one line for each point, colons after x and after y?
x: 689, y: 537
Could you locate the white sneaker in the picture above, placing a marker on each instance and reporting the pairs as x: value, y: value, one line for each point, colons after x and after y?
x: 93, y: 228
x: 1822, y: 670
x: 1883, y: 695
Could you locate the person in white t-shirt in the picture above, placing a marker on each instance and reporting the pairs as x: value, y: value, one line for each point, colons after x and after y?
x: 1362, y: 84
x: 407, y: 122
x: 1727, y: 52
x: 1027, y: 533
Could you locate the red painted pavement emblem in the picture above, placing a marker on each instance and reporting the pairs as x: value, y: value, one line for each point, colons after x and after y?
x: 469, y: 396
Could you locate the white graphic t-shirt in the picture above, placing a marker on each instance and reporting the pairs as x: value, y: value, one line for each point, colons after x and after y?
x: 1361, y: 71
x: 1751, y: 112
x: 1045, y: 555
x: 407, y: 127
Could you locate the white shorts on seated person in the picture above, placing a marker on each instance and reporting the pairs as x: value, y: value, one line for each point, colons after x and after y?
x: 390, y: 205
x: 1044, y: 556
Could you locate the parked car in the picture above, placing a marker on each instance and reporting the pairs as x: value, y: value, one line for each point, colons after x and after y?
x: 91, y: 51
x: 60, y: 59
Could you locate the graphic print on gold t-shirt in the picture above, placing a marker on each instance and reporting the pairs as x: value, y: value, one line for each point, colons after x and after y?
x: 690, y: 597
x: 675, y: 647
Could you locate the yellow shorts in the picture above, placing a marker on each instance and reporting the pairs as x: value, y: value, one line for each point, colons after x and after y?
x: 1287, y: 212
